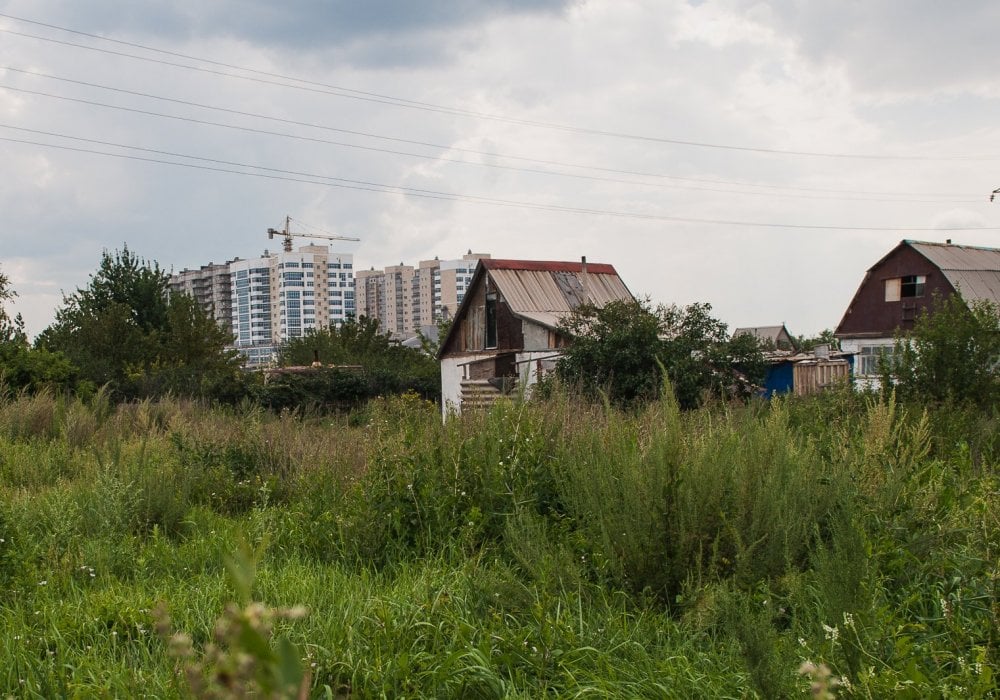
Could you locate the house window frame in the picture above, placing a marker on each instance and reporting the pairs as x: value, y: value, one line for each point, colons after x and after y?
x: 870, y: 358
x: 912, y: 286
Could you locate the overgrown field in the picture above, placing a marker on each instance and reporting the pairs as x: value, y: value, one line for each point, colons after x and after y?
x: 547, y: 549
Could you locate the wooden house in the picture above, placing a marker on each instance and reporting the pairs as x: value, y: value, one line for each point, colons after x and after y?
x: 506, y: 331
x: 901, y: 285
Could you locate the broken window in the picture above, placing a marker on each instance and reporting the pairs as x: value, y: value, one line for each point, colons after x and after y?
x: 912, y: 286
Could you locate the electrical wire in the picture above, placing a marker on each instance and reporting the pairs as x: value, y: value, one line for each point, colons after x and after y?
x: 442, y: 158
x: 339, y: 91
x: 938, y: 198
x: 291, y: 176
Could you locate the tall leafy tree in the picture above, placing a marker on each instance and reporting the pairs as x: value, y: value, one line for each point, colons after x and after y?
x: 952, y: 354
x: 124, y: 329
x: 616, y: 349
x: 622, y: 348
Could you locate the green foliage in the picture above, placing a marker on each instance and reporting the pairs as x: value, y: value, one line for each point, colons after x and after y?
x: 826, y: 337
x: 615, y: 349
x: 701, y: 360
x: 24, y: 367
x: 125, y: 330
x: 952, y: 354
x: 622, y: 349
x: 359, y: 362
x: 539, y: 549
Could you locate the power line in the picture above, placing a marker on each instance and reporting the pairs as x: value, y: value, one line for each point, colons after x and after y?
x: 291, y: 176
x: 349, y: 93
x: 310, y: 139
x: 866, y: 195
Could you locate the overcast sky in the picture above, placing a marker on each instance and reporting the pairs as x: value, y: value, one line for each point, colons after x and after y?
x: 759, y: 156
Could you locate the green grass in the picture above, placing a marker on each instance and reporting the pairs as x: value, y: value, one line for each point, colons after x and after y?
x: 551, y: 549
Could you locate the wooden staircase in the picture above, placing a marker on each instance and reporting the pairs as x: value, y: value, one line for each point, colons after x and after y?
x: 478, y: 393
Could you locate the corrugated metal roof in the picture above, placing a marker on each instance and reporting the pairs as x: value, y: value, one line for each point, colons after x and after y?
x: 948, y: 256
x: 973, y: 271
x: 547, y: 266
x: 554, y: 291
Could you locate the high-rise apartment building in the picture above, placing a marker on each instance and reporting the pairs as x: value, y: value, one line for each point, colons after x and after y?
x: 405, y: 299
x: 267, y: 301
x: 283, y: 295
x: 209, y: 285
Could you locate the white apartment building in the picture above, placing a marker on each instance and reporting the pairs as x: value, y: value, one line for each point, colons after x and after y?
x: 406, y: 299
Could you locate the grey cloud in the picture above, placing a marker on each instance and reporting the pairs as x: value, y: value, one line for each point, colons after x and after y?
x: 368, y: 32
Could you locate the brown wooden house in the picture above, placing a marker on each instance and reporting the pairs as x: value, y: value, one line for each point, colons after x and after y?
x: 506, y: 331
x: 901, y: 285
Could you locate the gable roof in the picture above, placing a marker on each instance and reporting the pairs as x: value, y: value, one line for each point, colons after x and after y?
x: 545, y: 291
x: 772, y: 333
x: 973, y: 271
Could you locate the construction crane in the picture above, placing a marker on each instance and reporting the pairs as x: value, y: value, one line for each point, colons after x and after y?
x: 287, y: 235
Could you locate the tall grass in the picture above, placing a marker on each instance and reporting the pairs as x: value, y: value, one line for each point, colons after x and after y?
x: 552, y: 548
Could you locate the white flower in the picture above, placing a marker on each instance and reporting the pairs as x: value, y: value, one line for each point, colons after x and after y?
x: 848, y: 620
x: 831, y: 632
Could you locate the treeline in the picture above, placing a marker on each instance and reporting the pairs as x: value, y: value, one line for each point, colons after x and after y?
x: 126, y: 333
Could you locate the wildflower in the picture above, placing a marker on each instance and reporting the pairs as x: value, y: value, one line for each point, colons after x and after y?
x: 802, y: 642
x: 848, y: 620
x: 831, y: 633
x: 945, y: 607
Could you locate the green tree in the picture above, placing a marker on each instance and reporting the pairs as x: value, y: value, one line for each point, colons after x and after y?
x: 615, y: 349
x: 124, y: 329
x: 950, y: 355
x: 386, y: 366
x: 622, y: 348
x: 701, y: 359
x: 825, y: 337
x: 21, y: 366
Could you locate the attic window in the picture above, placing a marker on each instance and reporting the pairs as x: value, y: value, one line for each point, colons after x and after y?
x: 913, y: 286
x: 908, y: 287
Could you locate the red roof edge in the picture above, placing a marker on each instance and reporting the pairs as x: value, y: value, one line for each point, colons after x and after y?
x: 547, y: 266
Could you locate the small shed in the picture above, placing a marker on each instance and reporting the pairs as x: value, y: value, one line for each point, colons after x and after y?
x: 802, y: 373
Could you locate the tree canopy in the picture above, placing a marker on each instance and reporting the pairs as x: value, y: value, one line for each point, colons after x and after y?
x: 623, y: 348
x: 21, y: 366
x: 126, y: 330
x: 359, y: 361
x: 952, y: 354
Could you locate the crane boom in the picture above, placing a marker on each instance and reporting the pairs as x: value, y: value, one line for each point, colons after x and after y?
x: 287, y: 235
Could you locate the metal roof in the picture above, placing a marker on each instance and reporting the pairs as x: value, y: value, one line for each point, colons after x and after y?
x: 973, y: 271
x: 544, y: 291
x: 772, y: 333
x: 545, y: 295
